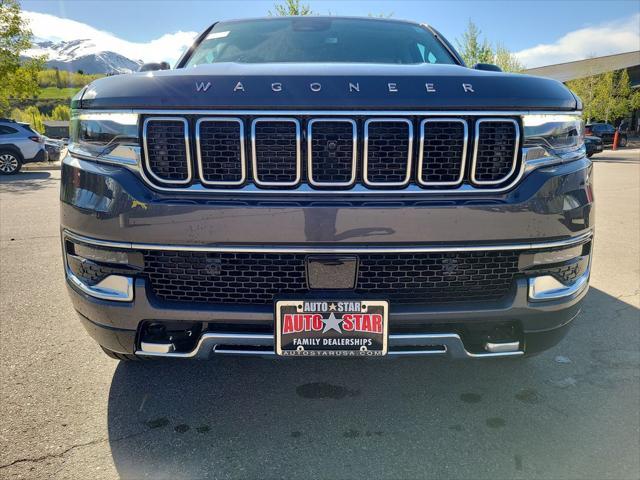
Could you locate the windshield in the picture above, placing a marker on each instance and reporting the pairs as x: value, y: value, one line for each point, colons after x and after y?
x: 319, y: 39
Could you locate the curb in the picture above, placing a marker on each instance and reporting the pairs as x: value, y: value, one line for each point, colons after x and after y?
x: 43, y: 166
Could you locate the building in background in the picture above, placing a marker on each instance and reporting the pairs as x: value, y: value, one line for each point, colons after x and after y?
x: 56, y: 128
x: 565, y: 72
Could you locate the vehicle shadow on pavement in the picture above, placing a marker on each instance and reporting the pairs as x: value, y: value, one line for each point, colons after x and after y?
x: 404, y: 418
x: 26, y: 182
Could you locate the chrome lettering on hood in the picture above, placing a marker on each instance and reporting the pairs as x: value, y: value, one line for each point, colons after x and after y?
x: 392, y: 87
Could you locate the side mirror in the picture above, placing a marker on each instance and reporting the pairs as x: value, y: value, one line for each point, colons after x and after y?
x: 150, y: 67
x: 489, y: 67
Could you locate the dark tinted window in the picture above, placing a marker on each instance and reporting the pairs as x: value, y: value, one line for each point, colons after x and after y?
x: 28, y: 128
x: 319, y: 39
x: 4, y: 130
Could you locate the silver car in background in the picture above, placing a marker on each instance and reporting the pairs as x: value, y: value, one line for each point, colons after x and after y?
x: 19, y: 144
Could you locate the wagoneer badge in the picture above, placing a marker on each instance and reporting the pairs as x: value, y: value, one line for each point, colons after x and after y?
x: 351, y: 87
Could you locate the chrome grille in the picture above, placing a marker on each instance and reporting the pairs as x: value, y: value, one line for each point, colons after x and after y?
x: 220, y: 151
x: 388, y: 151
x: 276, y: 151
x: 443, y: 151
x: 347, y: 152
x: 166, y: 149
x: 496, y: 150
x: 332, y: 151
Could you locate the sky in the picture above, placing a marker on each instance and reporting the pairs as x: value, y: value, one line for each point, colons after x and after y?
x: 541, y: 32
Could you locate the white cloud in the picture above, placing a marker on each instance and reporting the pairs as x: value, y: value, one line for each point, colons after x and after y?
x: 605, y: 39
x: 168, y: 47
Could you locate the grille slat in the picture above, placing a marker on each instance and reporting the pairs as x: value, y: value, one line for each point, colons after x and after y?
x: 388, y: 152
x: 496, y: 150
x: 276, y: 151
x: 331, y: 151
x: 220, y: 151
x: 403, y: 278
x: 166, y: 144
x: 443, y: 151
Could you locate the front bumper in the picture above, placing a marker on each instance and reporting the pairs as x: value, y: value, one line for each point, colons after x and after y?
x: 109, y: 205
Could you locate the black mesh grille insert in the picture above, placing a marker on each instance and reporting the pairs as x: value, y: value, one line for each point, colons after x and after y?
x: 167, y: 150
x: 388, y: 151
x: 256, y: 278
x: 438, y: 277
x: 496, y: 149
x: 276, y: 151
x: 332, y: 151
x: 221, y: 151
x: 442, y: 152
x: 224, y: 277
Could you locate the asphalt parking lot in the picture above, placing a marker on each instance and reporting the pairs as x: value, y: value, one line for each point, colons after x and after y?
x: 68, y: 411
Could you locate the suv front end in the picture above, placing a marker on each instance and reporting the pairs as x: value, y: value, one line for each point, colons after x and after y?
x: 195, y: 201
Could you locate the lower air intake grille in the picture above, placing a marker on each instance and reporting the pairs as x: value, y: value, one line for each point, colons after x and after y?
x: 167, y: 150
x: 276, y: 152
x: 257, y: 278
x: 496, y: 151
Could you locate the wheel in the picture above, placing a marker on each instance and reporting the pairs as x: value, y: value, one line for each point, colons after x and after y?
x: 124, y: 357
x: 10, y: 162
x: 623, y: 142
x: 589, y: 155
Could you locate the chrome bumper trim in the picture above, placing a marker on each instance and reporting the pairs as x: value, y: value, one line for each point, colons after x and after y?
x: 329, y: 250
x: 432, y: 344
x: 114, y: 287
x: 547, y: 287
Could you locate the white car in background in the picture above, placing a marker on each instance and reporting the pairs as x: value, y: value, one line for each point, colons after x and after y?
x: 19, y: 144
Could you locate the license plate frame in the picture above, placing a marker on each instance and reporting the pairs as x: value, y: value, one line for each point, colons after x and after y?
x: 359, y: 328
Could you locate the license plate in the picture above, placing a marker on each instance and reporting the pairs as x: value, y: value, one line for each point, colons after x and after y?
x: 334, y: 328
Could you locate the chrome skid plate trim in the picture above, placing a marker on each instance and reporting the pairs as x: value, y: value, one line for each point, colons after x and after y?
x: 449, y: 344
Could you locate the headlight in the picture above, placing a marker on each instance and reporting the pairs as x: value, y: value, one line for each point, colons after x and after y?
x: 552, y: 139
x: 111, y: 137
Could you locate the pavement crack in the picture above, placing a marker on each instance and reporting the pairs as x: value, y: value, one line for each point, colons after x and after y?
x: 69, y: 449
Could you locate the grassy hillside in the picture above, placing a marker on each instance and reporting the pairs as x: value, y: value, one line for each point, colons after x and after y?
x: 54, y: 93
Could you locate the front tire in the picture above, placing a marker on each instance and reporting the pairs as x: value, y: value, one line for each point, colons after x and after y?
x: 10, y: 162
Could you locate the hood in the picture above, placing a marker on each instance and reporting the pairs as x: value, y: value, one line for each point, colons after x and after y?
x: 326, y: 87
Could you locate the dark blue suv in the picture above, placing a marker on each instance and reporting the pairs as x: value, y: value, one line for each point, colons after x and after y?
x: 326, y: 186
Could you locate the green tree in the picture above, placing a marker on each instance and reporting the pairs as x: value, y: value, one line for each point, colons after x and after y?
x: 506, y: 60
x: 290, y: 7
x: 18, y: 80
x: 30, y: 115
x: 474, y: 50
x: 607, y: 96
x: 61, y: 112
x: 585, y: 88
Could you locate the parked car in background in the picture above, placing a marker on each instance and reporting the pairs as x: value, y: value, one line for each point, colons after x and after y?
x: 605, y: 131
x: 594, y: 145
x: 19, y: 144
x: 54, y: 148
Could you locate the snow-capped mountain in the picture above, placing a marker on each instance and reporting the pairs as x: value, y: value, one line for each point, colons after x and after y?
x: 83, y: 54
